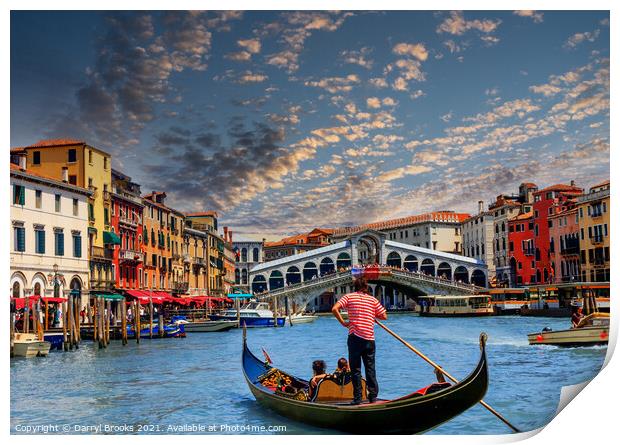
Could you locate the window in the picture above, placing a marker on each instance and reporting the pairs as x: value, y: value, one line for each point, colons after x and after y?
x: 59, y: 243
x: 75, y: 207
x: 550, y: 223
x: 57, y: 202
x: 73, y: 179
x: 39, y: 239
x: 106, y: 216
x: 19, y: 195
x: 535, y: 213
x: 72, y: 155
x: 36, y: 158
x: 105, y: 163
x: 77, y: 245
x: 37, y: 198
x: 90, y: 182
x: 19, y: 238
x: 90, y: 157
x: 91, y: 212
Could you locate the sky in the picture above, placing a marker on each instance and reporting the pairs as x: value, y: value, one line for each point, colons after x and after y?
x: 286, y: 121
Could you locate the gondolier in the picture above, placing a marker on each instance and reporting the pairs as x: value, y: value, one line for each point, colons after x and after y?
x: 363, y: 309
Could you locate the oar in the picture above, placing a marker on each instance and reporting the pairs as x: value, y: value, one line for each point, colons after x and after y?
x: 436, y: 366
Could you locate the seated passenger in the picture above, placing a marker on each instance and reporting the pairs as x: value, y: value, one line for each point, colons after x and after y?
x: 318, y: 371
x: 342, y: 374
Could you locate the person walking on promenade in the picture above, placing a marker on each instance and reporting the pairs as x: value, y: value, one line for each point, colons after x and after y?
x: 363, y: 309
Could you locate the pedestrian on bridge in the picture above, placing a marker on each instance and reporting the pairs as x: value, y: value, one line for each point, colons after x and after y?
x: 363, y: 309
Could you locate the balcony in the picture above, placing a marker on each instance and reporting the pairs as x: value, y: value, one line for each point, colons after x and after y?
x: 102, y: 284
x: 133, y: 223
x: 107, y: 197
x: 529, y: 252
x: 180, y: 286
x: 101, y: 253
x: 574, y: 250
x: 597, y: 214
x: 176, y: 257
x: 199, y: 261
x: 94, y: 191
x: 187, y: 258
x: 597, y: 239
x: 599, y: 262
x: 130, y: 255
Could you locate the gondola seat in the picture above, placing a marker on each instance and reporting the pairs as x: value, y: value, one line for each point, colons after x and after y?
x: 330, y: 390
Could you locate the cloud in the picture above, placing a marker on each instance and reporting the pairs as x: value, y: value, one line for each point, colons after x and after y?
x: 253, y: 46
x: 378, y: 82
x: 335, y: 84
x: 373, y: 102
x: 457, y: 25
x: 401, y: 172
x: 537, y: 17
x: 417, y: 50
x: 580, y: 37
x: 359, y: 57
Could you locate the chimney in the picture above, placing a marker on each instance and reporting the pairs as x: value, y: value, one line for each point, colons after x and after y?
x: 572, y: 183
x: 230, y: 236
x: 22, y: 162
x: 65, y: 174
x: 225, y: 233
x: 480, y: 206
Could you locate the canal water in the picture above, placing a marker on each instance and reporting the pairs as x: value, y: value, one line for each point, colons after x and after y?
x: 198, y: 379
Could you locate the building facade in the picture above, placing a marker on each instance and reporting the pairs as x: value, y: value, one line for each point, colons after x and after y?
x: 49, y: 226
x: 477, y: 234
x: 521, y: 250
x: 156, y: 242
x: 296, y: 244
x: 207, y: 222
x: 548, y: 202
x: 247, y: 255
x: 77, y: 163
x: 127, y: 224
x: 594, y: 242
x: 564, y: 244
x: 195, y: 259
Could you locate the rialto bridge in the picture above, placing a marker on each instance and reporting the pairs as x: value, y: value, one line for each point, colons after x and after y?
x: 413, y: 271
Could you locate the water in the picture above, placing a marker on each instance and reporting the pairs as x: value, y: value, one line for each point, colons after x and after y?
x: 198, y: 380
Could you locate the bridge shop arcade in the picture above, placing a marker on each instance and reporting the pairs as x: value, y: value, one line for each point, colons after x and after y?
x: 316, y: 279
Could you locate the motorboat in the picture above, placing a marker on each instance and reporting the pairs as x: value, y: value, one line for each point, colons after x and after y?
x: 29, y: 345
x: 592, y: 330
x: 303, y: 318
x: 254, y: 314
x: 456, y: 306
x: 206, y: 325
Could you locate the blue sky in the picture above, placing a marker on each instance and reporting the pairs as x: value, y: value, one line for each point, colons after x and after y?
x: 284, y: 121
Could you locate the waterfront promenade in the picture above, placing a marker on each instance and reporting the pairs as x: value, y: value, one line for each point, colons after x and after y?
x: 198, y: 380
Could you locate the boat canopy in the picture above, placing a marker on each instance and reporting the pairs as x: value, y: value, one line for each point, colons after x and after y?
x: 107, y: 296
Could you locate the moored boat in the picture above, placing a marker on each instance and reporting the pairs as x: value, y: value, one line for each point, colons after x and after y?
x: 417, y: 412
x: 591, y: 330
x: 254, y: 314
x: 207, y: 325
x: 303, y: 318
x: 170, y: 330
x: 457, y: 306
x: 29, y: 345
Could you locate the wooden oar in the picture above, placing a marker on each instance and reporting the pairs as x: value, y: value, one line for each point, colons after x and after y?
x: 436, y: 366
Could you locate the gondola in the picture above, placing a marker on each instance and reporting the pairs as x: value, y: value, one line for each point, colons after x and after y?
x: 414, y: 413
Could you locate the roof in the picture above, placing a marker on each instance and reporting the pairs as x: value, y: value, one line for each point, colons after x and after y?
x: 601, y: 184
x: 301, y: 239
x: 211, y: 213
x: 56, y: 143
x: 560, y: 188
x: 444, y: 216
x: 529, y: 184
x: 17, y: 170
x: 523, y: 216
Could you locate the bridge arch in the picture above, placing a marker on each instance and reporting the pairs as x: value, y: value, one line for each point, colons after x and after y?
x: 461, y: 274
x: 428, y: 267
x: 293, y: 275
x: 259, y: 284
x: 411, y: 263
x: 394, y: 259
x: 478, y: 278
x: 370, y: 253
x: 326, y: 266
x: 276, y: 280
x: 343, y: 260
x: 310, y: 271
x: 444, y: 270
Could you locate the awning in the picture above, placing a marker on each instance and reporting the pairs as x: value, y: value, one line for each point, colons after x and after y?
x: 111, y: 238
x: 242, y: 296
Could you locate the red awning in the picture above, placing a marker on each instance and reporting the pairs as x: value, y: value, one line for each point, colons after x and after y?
x: 20, y: 303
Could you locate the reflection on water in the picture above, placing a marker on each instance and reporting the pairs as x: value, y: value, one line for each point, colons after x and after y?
x: 199, y: 380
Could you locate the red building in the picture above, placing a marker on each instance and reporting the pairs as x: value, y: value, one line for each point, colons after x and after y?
x: 521, y: 251
x: 547, y: 202
x: 127, y: 223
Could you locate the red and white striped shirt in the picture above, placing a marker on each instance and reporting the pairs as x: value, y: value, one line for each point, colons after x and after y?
x: 362, y: 309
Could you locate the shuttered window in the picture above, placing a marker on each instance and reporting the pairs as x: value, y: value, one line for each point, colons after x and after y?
x: 91, y: 212
x: 20, y: 239
x: 77, y: 246
x: 39, y: 240
x: 19, y: 195
x: 59, y: 242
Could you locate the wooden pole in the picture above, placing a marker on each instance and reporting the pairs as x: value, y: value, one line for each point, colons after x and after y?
x: 238, y: 312
x: 275, y: 311
x: 138, y: 321
x: 436, y: 366
x: 64, y: 326
x: 47, y: 324
x: 288, y: 311
x: 123, y: 322
x: 79, y: 319
x: 70, y: 323
x: 108, y: 320
x: 150, y: 317
x: 95, y: 323
x: 26, y: 323
x: 160, y: 324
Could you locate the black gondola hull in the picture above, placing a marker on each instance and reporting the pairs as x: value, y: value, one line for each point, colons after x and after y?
x: 407, y: 415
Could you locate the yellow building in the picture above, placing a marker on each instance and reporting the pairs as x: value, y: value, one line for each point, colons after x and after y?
x: 216, y: 272
x: 195, y: 260
x: 77, y: 163
x: 593, y: 214
x: 156, y: 242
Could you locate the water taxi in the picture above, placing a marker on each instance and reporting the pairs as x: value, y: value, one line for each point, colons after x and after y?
x: 29, y: 345
x: 456, y: 306
x: 254, y: 314
x: 508, y: 301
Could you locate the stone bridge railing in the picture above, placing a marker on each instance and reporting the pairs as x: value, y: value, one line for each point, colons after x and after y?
x: 389, y: 274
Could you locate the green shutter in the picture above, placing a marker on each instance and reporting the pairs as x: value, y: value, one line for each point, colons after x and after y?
x: 19, y: 195
x: 91, y: 212
x: 40, y: 248
x: 20, y: 235
x: 60, y: 244
x: 77, y: 246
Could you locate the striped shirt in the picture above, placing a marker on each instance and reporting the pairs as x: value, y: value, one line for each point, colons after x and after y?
x: 362, y: 309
